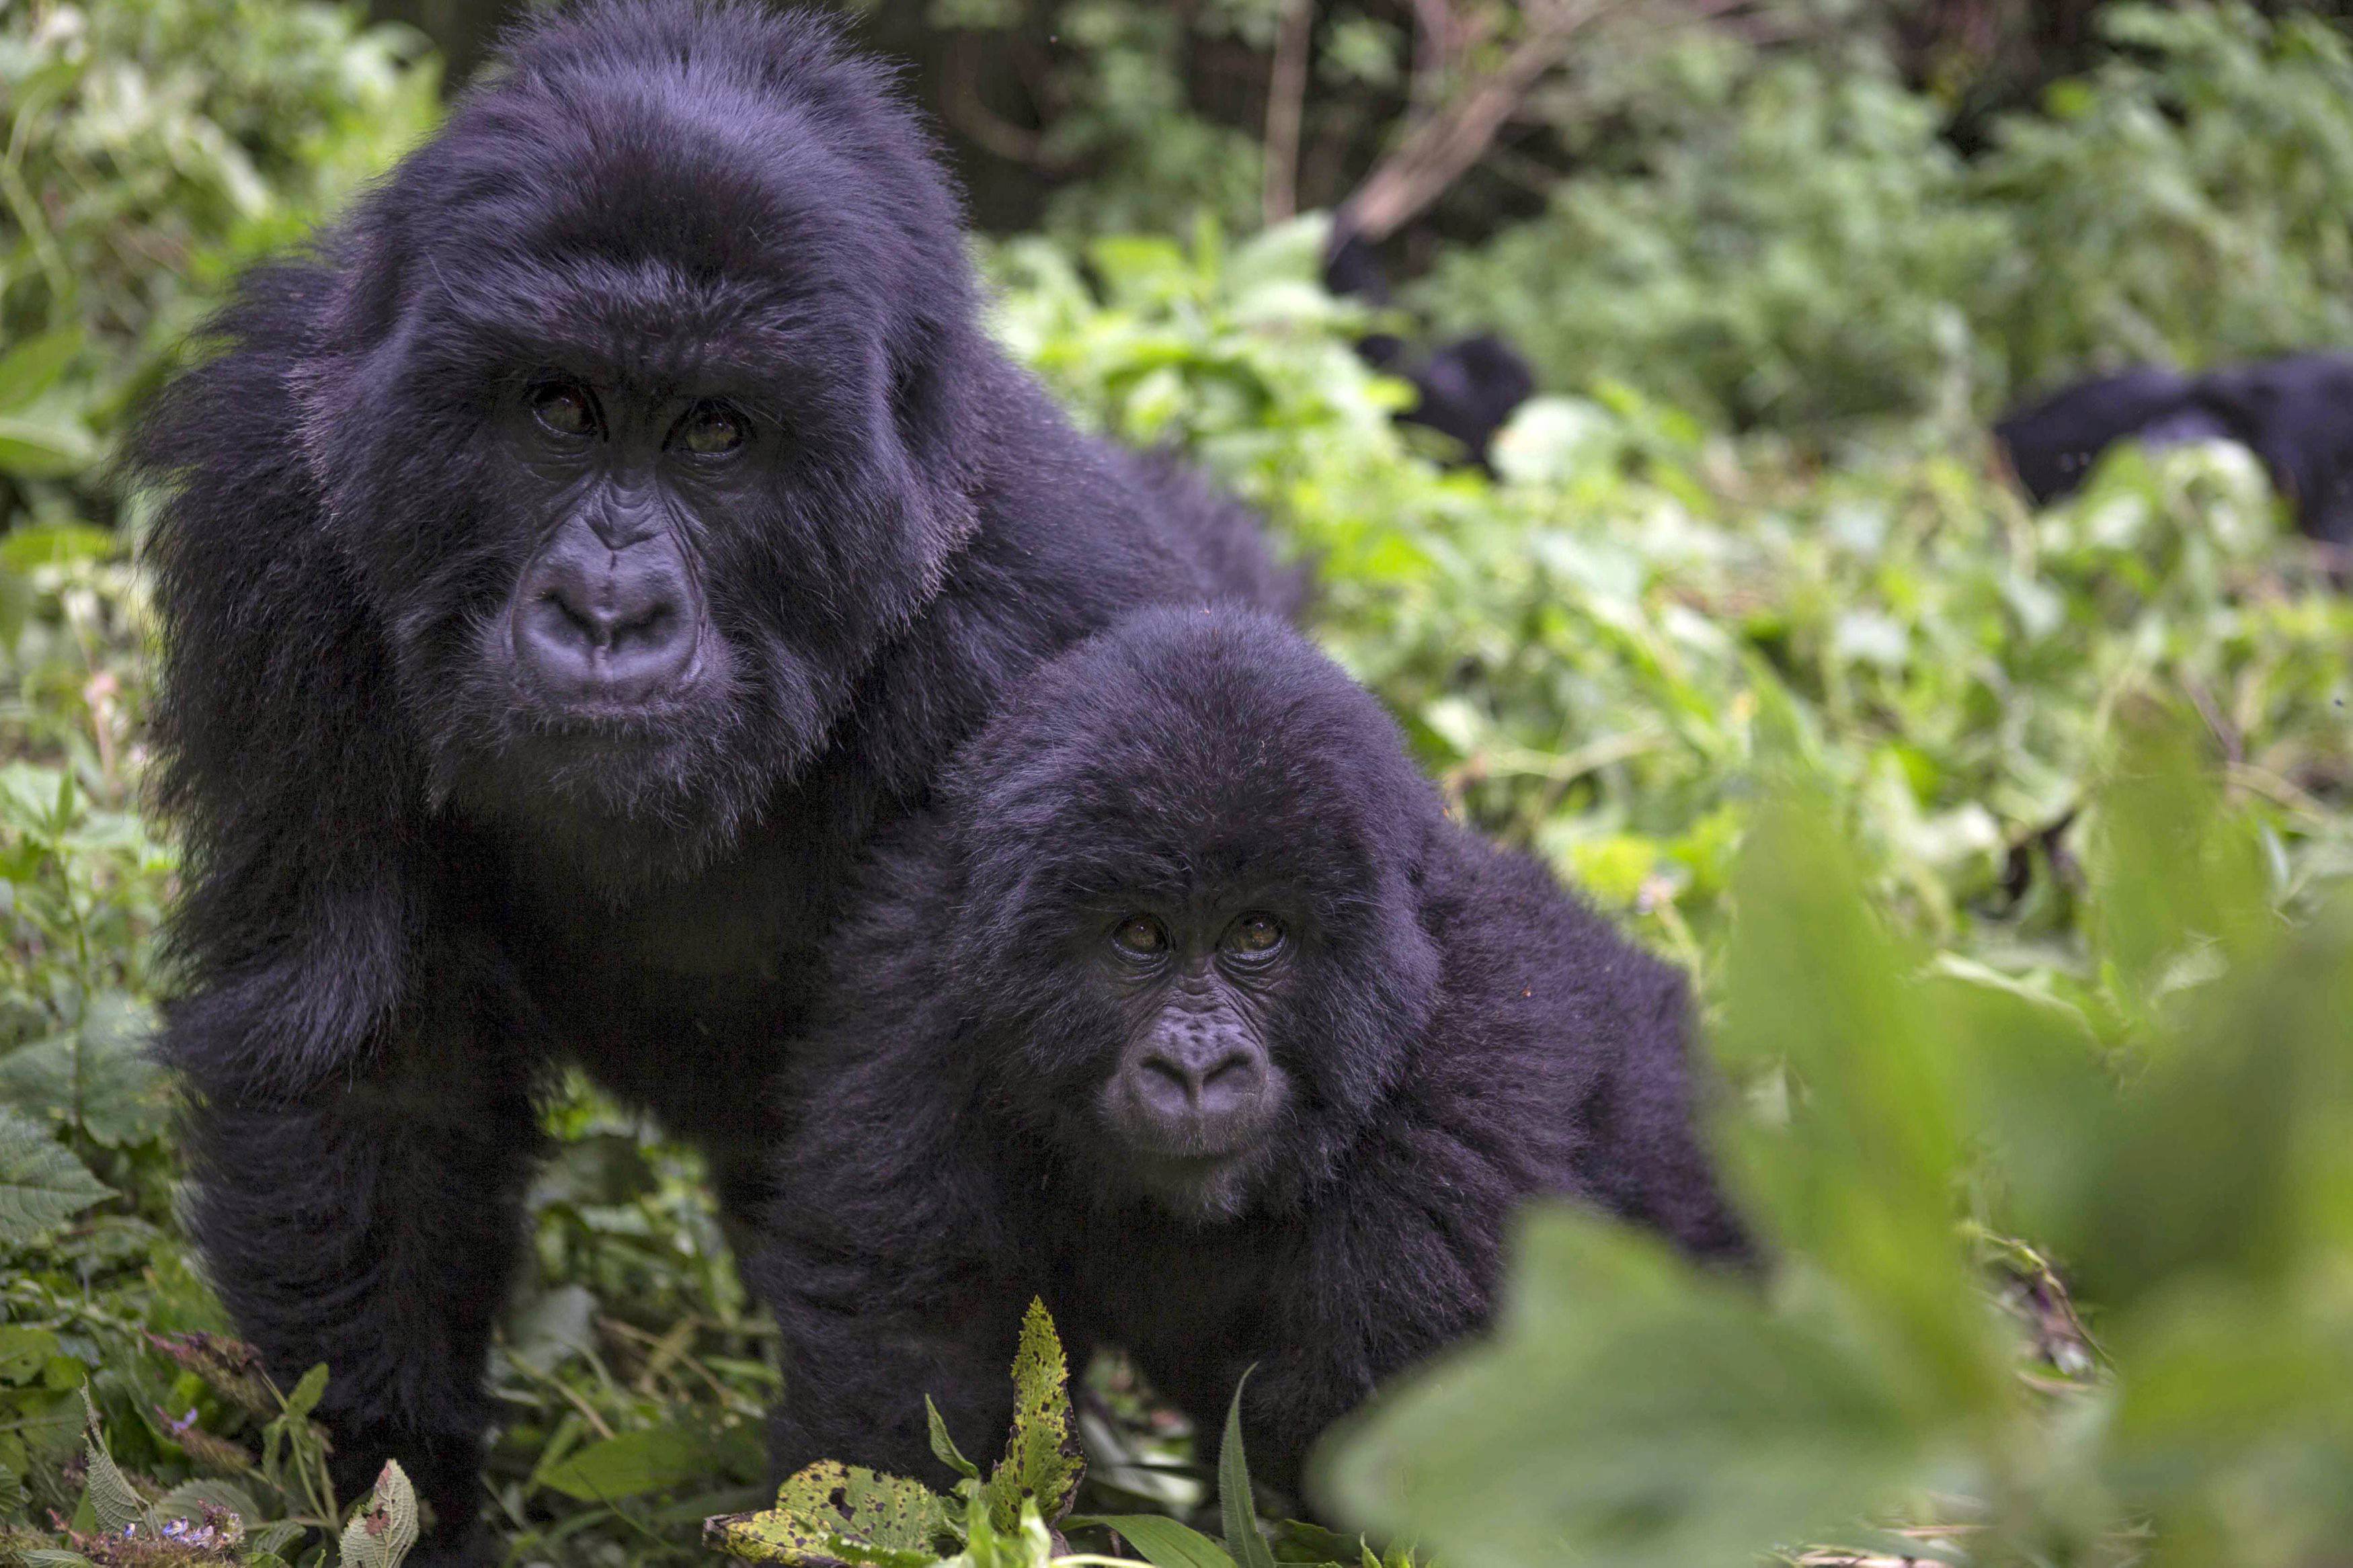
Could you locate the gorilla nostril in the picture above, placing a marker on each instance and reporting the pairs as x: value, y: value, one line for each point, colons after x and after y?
x: 1229, y: 1085
x: 573, y: 617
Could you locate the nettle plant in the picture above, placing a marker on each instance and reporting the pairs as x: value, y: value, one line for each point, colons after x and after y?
x: 832, y: 1515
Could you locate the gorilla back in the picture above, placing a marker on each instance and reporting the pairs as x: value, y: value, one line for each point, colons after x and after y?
x: 564, y: 564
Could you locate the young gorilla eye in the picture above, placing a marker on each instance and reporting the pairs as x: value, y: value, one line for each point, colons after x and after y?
x: 709, y: 429
x: 1254, y: 934
x: 565, y: 407
x: 1141, y: 934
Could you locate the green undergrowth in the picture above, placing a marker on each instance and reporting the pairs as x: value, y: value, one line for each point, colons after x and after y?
x: 2007, y: 848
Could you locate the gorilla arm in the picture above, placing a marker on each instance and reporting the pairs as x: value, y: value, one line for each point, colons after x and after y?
x: 358, y: 1153
x: 883, y: 1259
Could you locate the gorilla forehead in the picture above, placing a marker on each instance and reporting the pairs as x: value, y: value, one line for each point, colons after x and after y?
x: 755, y: 177
x: 1188, y: 747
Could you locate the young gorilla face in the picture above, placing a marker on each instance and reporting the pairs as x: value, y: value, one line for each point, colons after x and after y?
x: 1196, y: 1088
x: 646, y: 443
x: 1188, y: 855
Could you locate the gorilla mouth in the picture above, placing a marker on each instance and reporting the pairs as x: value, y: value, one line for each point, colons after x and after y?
x: 1203, y: 1189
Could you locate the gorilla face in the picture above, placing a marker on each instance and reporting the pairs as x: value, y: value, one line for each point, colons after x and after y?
x: 1195, y: 1092
x: 646, y: 433
x: 1189, y: 933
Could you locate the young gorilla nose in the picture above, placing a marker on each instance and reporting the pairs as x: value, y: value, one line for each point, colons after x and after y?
x: 604, y: 616
x: 1196, y: 1086
x: 1197, y: 1081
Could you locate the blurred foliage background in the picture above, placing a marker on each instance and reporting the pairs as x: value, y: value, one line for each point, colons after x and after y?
x: 2008, y: 847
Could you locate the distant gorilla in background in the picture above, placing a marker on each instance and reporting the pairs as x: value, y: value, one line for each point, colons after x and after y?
x: 564, y: 565
x: 1189, y: 1011
x: 1467, y: 388
x: 2294, y: 413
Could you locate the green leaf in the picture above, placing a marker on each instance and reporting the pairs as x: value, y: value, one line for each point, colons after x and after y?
x: 383, y: 1533
x: 41, y: 1183
x: 1166, y: 1543
x: 44, y: 448
x: 1042, y: 1459
x: 1236, y: 1503
x: 56, y: 544
x: 944, y: 1447
x: 32, y: 367
x: 307, y: 1394
x: 634, y: 1463
x: 1630, y: 1413
x: 189, y: 1499
x: 1861, y: 1178
x: 96, y: 1077
x: 832, y: 1514
x: 114, y: 1503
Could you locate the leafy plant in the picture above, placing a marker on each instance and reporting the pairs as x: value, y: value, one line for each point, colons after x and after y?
x: 832, y: 1515
x: 2191, y: 1175
x: 153, y: 147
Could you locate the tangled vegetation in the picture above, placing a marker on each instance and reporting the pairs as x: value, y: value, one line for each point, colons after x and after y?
x: 2009, y: 849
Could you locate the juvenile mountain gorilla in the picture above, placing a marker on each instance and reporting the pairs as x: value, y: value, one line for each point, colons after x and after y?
x: 564, y: 565
x: 1189, y: 1011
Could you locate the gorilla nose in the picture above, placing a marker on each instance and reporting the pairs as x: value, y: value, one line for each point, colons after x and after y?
x: 593, y: 622
x: 1198, y: 1086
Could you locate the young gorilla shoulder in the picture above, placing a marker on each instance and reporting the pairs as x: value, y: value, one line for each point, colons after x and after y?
x: 1190, y: 1012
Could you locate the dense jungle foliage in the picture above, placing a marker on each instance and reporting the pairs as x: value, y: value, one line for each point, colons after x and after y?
x: 2009, y: 847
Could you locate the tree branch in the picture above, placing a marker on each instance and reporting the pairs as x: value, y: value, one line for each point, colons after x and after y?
x: 1286, y: 107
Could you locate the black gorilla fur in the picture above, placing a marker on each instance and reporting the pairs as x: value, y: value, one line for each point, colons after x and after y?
x: 1467, y: 388
x: 2294, y: 413
x: 1440, y: 1032
x: 676, y: 312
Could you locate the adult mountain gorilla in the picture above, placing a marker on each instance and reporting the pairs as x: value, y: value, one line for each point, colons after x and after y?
x: 565, y: 566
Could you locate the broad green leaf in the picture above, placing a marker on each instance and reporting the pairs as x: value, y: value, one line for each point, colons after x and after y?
x: 32, y: 367
x: 650, y: 1459
x: 1630, y: 1413
x: 55, y: 544
x: 1862, y: 1178
x: 44, y: 448
x: 832, y: 1514
x: 41, y: 1183
x: 2171, y: 872
x: 189, y: 1499
x: 96, y: 1077
x: 1166, y: 1543
x: 113, y: 1501
x: 1237, y: 1506
x: 380, y: 1534
x: 1042, y: 1460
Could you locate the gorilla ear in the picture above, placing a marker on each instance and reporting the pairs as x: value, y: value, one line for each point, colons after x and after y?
x: 937, y: 389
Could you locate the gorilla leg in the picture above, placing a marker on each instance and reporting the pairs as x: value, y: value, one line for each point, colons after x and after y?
x: 374, y: 1225
x: 855, y: 1381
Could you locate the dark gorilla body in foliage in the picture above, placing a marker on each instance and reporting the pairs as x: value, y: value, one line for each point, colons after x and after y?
x: 567, y: 566
x: 2294, y: 413
x: 1189, y: 1011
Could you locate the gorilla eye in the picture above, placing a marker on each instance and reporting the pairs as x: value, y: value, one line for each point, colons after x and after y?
x: 1255, y: 935
x: 709, y: 429
x: 1141, y: 934
x: 565, y: 407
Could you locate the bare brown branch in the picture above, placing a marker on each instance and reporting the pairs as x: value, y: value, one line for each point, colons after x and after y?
x: 1445, y: 139
x: 1286, y: 103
